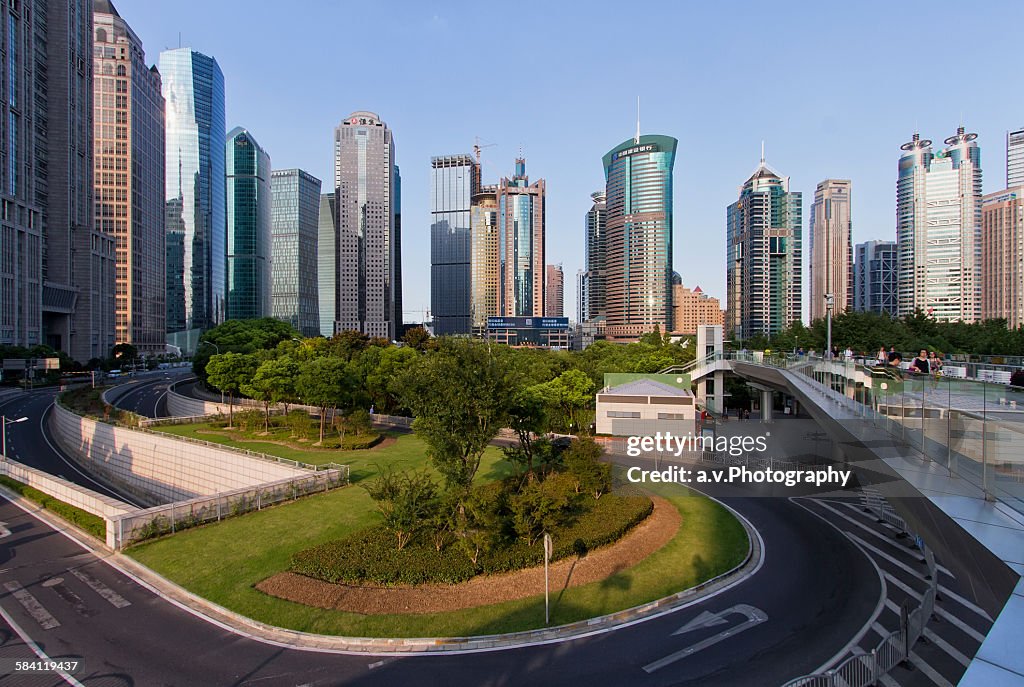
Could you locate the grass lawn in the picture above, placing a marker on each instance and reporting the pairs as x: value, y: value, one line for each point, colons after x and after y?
x: 223, y: 561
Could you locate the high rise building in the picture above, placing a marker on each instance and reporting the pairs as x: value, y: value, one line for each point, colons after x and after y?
x: 596, y: 244
x: 693, y: 308
x: 485, y: 263
x: 764, y: 277
x: 295, y: 216
x: 53, y: 113
x: 875, y: 277
x: 1014, y: 158
x: 128, y: 156
x: 554, y: 298
x: 454, y: 180
x: 327, y: 262
x: 195, y: 215
x: 582, y: 295
x: 1002, y: 255
x: 831, y: 265
x: 367, y: 271
x: 938, y: 225
x: 249, y: 232
x: 521, y: 244
x: 638, y: 223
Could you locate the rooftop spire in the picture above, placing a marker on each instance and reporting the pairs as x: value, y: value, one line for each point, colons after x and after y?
x: 762, y: 151
x: 636, y: 139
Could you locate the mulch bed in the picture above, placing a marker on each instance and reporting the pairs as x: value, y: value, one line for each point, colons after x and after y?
x: 643, y: 540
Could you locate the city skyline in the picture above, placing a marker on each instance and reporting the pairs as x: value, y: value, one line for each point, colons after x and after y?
x: 569, y: 156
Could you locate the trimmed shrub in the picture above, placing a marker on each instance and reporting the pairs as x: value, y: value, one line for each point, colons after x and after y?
x: 92, y: 524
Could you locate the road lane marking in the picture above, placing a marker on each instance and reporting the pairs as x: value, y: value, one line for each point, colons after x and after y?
x: 946, y: 615
x: 755, y: 616
x: 32, y: 605
x: 69, y: 596
x: 115, y: 599
x: 932, y: 674
x: 35, y: 648
x: 705, y: 619
x: 4, y: 532
x: 947, y: 647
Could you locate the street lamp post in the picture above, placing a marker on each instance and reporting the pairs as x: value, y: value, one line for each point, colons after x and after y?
x: 3, y: 431
x: 830, y: 300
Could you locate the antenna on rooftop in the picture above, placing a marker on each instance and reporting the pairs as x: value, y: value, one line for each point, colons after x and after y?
x: 636, y: 139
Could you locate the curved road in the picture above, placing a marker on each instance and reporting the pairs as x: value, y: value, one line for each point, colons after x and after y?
x: 817, y: 590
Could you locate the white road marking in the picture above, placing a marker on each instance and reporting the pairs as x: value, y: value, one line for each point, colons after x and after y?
x: 4, y: 532
x: 943, y: 569
x: 32, y: 605
x: 705, y: 619
x: 115, y: 599
x: 946, y: 615
x: 947, y: 647
x: 930, y: 672
x: 755, y: 616
x: 899, y: 564
x: 35, y: 648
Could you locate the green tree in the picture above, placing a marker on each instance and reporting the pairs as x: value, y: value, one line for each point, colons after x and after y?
x: 570, y: 393
x: 327, y: 384
x: 229, y: 372
x: 405, y: 500
x: 240, y: 336
x: 528, y: 417
x: 586, y: 469
x: 390, y: 364
x: 460, y: 396
x: 541, y: 506
x: 273, y: 382
x: 417, y: 338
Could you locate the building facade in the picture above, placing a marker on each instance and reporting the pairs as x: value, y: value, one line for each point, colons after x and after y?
x: 693, y: 308
x: 249, y: 222
x: 582, y: 295
x: 454, y: 180
x: 764, y: 278
x: 327, y: 262
x: 875, y: 284
x: 1015, y: 158
x: 596, y: 305
x: 938, y: 228
x: 367, y: 271
x: 521, y: 243
x: 128, y: 156
x: 1002, y: 256
x: 554, y: 298
x: 485, y: 262
x: 295, y: 217
x: 831, y: 265
x: 195, y: 213
x: 638, y: 243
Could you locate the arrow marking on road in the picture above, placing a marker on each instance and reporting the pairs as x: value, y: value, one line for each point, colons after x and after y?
x: 4, y: 532
x: 754, y: 616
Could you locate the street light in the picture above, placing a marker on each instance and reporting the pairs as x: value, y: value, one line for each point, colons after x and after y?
x: 830, y: 301
x: 3, y: 431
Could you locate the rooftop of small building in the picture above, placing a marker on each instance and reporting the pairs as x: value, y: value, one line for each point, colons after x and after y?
x: 646, y: 387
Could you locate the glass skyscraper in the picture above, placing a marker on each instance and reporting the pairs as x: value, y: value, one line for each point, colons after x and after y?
x: 874, y: 280
x: 638, y: 256
x: 521, y: 244
x: 367, y: 269
x: 129, y: 178
x: 193, y: 89
x: 327, y: 262
x: 764, y: 258
x: 249, y: 232
x: 485, y: 267
x: 295, y: 212
x: 455, y: 179
x: 938, y: 228
x: 831, y: 264
x: 1015, y: 158
x: 595, y: 306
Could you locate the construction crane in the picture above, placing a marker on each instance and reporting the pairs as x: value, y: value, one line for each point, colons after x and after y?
x: 477, y: 147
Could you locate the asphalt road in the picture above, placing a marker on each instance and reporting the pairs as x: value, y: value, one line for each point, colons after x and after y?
x: 146, y: 395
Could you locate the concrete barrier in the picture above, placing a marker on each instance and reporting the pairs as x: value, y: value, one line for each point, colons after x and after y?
x: 160, y: 468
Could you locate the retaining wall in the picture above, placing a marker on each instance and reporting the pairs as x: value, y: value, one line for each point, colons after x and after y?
x: 160, y: 468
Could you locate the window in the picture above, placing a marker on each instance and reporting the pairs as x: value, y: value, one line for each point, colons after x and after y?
x: 623, y: 414
x: 671, y: 416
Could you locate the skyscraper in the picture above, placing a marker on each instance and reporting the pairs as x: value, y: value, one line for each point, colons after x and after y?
x: 455, y: 179
x: 582, y: 296
x: 1015, y: 158
x: 764, y: 256
x: 129, y: 177
x: 938, y: 225
x: 193, y: 88
x: 295, y: 215
x: 693, y: 308
x: 1002, y: 251
x: 521, y: 244
x: 596, y: 271
x: 249, y: 232
x: 368, y: 268
x: 831, y: 263
x: 554, y: 298
x: 77, y: 260
x: 327, y: 262
x: 485, y: 263
x: 875, y: 277
x: 638, y: 256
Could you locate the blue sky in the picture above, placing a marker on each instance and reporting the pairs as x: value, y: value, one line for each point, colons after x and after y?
x: 832, y: 88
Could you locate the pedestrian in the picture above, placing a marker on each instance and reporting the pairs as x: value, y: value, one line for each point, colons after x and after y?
x: 848, y: 353
x: 894, y: 357
x: 920, y: 363
x: 882, y: 358
x: 934, y: 363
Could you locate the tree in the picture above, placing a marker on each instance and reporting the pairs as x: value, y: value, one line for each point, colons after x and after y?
x: 240, y: 336
x: 229, y: 372
x: 273, y: 382
x: 417, y: 338
x: 570, y: 393
x: 124, y: 352
x: 405, y: 500
x: 528, y: 418
x: 459, y: 395
x: 586, y: 469
x: 327, y: 384
x: 541, y: 506
x: 390, y: 364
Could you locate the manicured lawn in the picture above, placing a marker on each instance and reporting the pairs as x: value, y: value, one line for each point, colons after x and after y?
x: 222, y: 562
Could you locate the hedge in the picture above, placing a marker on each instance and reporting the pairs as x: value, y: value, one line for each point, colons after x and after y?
x: 93, y: 524
x: 372, y: 555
